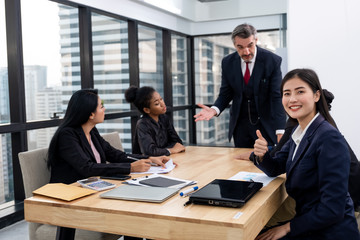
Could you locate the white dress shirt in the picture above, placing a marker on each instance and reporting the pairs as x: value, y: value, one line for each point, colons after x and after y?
x: 298, y: 134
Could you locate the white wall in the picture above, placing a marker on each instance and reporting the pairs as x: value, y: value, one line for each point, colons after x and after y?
x: 325, y: 35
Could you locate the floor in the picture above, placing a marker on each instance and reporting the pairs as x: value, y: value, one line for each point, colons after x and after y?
x: 17, y: 231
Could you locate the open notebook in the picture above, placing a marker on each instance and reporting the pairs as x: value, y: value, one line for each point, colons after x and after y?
x: 140, y: 193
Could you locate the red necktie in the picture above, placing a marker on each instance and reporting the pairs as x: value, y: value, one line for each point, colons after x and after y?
x: 247, y: 74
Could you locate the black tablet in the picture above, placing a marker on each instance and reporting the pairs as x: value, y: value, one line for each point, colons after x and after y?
x: 161, y: 182
x: 116, y: 177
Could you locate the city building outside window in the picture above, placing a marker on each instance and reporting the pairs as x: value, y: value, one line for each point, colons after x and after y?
x: 51, y: 62
x: 6, y: 168
x: 151, y: 58
x: 179, y: 68
x: 111, y: 72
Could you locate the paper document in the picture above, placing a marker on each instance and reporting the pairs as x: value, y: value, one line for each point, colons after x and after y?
x: 63, y: 191
x: 169, y: 165
x: 156, y: 180
x: 251, y: 176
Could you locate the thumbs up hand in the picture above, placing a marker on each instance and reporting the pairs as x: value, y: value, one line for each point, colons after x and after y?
x: 261, y: 145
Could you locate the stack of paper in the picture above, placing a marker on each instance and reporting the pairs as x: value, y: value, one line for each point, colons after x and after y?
x: 252, y: 176
x: 169, y: 165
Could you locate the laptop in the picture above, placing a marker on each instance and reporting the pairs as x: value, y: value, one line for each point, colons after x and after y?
x: 140, y: 193
x: 225, y: 193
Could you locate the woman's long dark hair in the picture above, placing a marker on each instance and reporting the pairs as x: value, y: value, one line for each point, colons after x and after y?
x: 310, y: 77
x: 82, y: 103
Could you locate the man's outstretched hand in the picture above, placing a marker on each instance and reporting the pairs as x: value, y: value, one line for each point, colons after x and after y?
x: 206, y: 113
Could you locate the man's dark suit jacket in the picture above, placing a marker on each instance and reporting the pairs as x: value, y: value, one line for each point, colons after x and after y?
x: 76, y: 160
x: 317, y: 179
x: 266, y: 77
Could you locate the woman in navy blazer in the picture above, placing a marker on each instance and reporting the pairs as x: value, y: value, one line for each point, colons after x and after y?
x: 316, y: 161
x: 77, y: 150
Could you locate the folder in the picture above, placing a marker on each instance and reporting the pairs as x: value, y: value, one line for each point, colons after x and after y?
x: 63, y: 191
x: 140, y: 193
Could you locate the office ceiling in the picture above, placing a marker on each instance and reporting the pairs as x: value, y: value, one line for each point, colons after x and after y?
x: 211, y: 1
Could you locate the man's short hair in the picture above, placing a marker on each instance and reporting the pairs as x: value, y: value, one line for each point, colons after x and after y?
x: 243, y: 31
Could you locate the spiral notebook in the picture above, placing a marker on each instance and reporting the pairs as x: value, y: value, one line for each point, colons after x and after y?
x: 140, y: 193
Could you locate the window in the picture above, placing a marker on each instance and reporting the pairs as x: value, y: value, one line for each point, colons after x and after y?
x: 51, y: 60
x: 269, y: 40
x: 111, y: 72
x: 40, y: 138
x: 111, y: 61
x: 4, y: 81
x: 179, y: 70
x: 6, y: 168
x: 209, y: 53
x: 120, y: 125
x: 181, y: 125
x: 151, y: 58
x: 6, y: 171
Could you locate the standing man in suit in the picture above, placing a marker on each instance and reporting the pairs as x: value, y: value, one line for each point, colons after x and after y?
x: 251, y: 78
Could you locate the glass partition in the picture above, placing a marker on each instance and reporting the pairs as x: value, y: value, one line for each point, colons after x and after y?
x: 4, y: 81
x: 51, y: 60
x: 111, y: 61
x: 209, y: 51
x: 120, y: 125
x: 181, y: 125
x: 151, y: 58
x: 6, y: 171
x: 179, y: 68
x: 40, y: 138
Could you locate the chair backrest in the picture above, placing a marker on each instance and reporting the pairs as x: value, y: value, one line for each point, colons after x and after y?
x: 114, y: 139
x: 34, y: 169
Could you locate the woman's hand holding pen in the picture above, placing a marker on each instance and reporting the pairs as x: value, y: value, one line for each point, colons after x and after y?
x: 160, y: 161
x: 260, y: 146
x: 141, y: 165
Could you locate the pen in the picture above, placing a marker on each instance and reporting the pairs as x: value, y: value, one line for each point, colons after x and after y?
x: 190, y: 190
x: 132, y: 158
x: 136, y: 159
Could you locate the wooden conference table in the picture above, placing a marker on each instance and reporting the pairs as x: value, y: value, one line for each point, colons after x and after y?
x: 170, y: 219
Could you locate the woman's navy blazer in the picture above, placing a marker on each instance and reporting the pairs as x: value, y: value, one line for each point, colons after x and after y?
x: 317, y: 178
